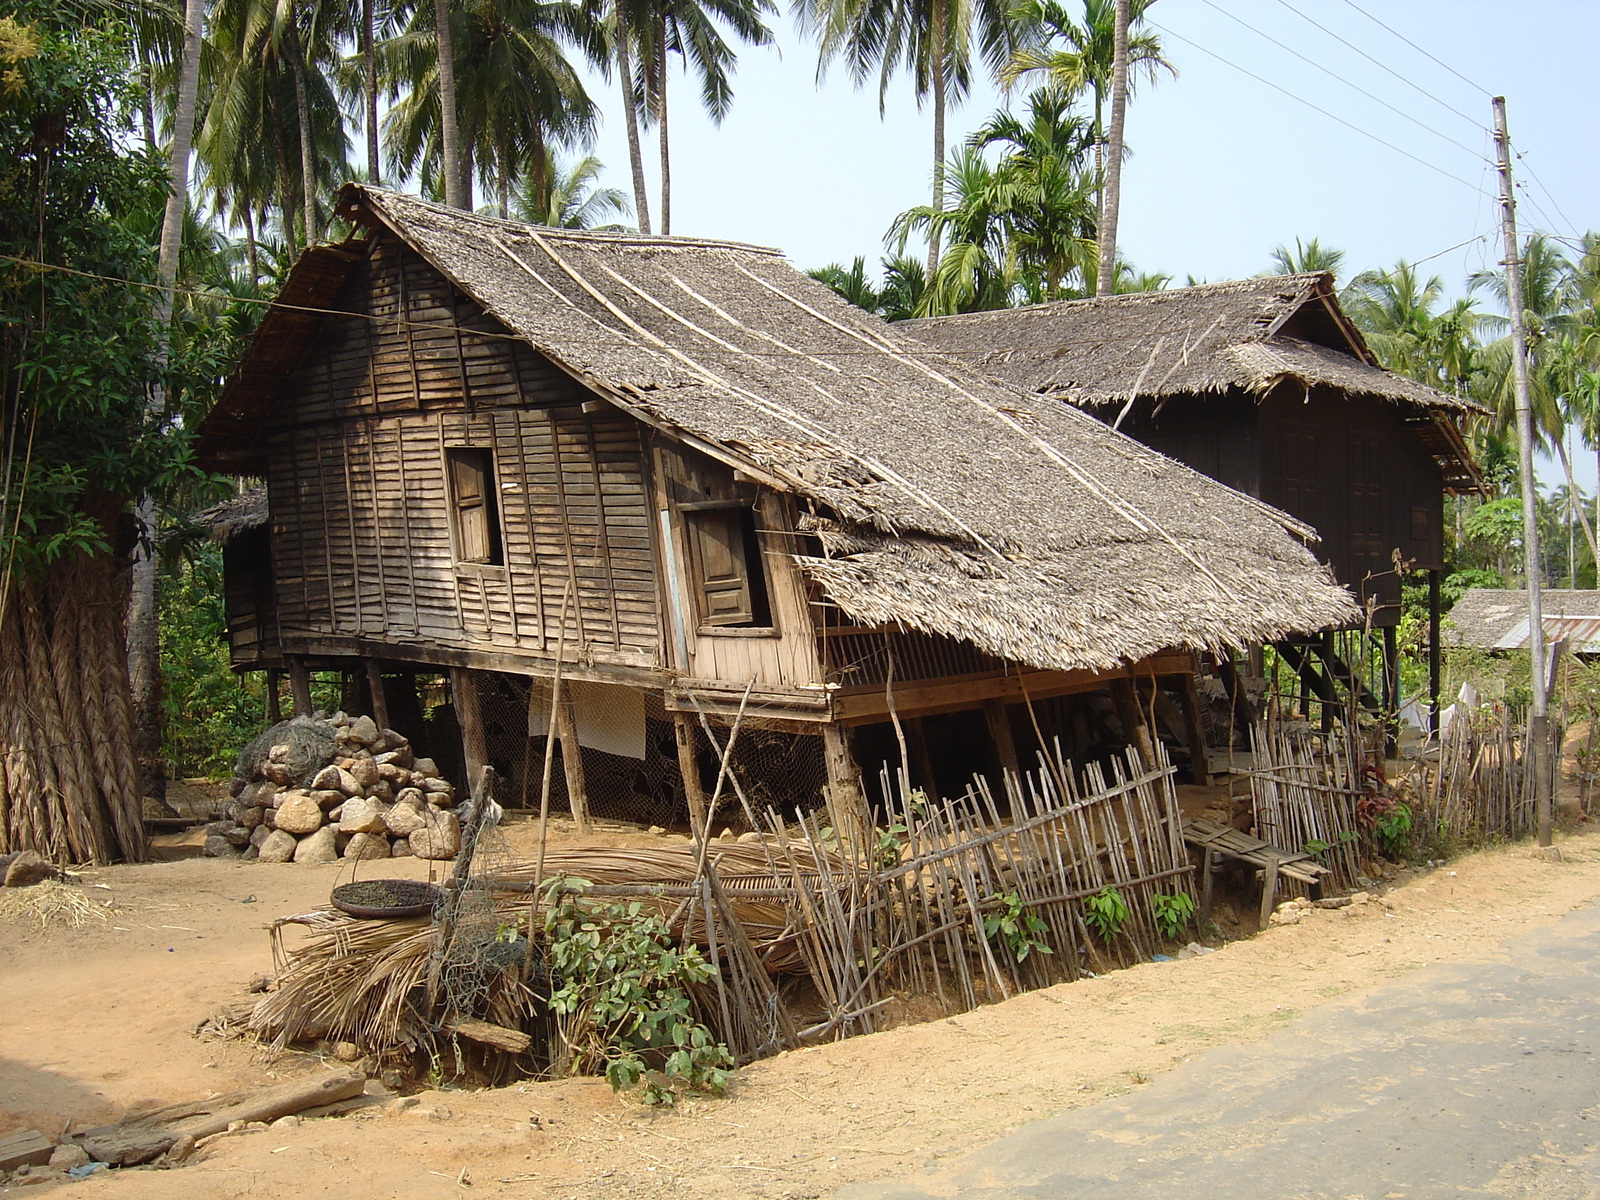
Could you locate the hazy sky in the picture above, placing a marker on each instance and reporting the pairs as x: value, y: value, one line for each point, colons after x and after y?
x: 1224, y: 167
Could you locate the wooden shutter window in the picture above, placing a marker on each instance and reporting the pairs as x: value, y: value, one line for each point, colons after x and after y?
x: 716, y: 538
x: 475, y: 508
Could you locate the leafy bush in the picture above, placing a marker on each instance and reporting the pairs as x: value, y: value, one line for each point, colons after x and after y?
x: 1016, y: 928
x: 1393, y: 829
x: 1106, y: 912
x: 618, y: 989
x: 1172, y: 913
x: 210, y: 712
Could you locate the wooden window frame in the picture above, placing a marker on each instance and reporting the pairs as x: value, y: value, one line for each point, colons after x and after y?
x: 474, y: 517
x: 745, y: 618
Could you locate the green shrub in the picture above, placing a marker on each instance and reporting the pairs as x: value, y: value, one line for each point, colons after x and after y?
x: 618, y: 991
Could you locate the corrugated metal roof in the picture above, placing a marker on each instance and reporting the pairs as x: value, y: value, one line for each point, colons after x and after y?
x: 1582, y: 634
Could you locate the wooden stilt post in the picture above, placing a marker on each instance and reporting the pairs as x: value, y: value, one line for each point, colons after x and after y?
x: 299, y: 686
x: 572, y: 764
x: 921, y: 760
x: 377, y: 704
x: 1269, y: 890
x: 994, y: 712
x: 1391, y: 691
x: 844, y: 775
x: 1433, y: 652
x: 274, y: 701
x: 689, y: 768
x: 1208, y: 882
x: 1131, y: 718
x: 1194, y: 730
x: 474, y: 743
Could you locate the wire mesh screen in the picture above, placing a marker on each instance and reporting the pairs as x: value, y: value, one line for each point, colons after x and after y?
x: 783, y: 771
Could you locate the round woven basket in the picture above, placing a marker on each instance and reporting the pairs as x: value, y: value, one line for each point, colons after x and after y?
x: 386, y: 899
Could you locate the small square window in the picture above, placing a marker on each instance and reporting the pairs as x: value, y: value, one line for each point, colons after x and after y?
x: 727, y: 562
x: 475, y: 505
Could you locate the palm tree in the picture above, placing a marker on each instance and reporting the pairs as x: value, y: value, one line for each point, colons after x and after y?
x: 273, y: 133
x: 1078, y: 57
x: 978, y: 268
x: 518, y: 96
x: 850, y: 283
x: 1307, y: 258
x: 688, y: 28
x: 567, y: 197
x: 1050, y: 210
x: 935, y: 40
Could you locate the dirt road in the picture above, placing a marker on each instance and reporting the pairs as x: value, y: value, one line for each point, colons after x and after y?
x: 100, y: 1020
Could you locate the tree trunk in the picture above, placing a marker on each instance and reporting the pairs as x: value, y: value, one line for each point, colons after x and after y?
x: 1106, y: 234
x: 938, y: 136
x: 449, y: 137
x: 308, y: 171
x: 369, y: 82
x: 630, y: 116
x: 252, y: 256
x: 144, y: 628
x: 661, y: 133
x: 68, y: 788
x: 1572, y: 490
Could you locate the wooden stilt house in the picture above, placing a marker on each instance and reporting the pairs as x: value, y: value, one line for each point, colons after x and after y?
x: 696, y: 483
x: 1265, y: 385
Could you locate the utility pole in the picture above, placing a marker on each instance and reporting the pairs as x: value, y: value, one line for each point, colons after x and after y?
x: 1111, y: 200
x: 1538, y: 717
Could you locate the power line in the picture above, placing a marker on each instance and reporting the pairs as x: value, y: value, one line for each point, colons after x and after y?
x: 1335, y: 75
x: 1316, y: 108
x: 1420, y: 50
x: 1528, y: 169
x: 1478, y: 124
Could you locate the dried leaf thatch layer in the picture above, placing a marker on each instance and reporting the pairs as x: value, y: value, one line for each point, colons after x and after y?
x: 1039, y: 525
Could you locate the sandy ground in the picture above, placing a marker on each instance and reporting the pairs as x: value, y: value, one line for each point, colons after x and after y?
x: 100, y: 1021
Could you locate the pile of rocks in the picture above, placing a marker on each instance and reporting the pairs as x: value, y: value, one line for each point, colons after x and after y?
x: 313, y: 790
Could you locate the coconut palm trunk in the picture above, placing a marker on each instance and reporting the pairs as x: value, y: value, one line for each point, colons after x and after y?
x: 1111, y: 197
x: 1572, y: 491
x: 937, y: 56
x: 630, y: 117
x: 369, y: 86
x: 449, y: 130
x: 308, y: 159
x: 661, y: 134
x: 68, y: 789
x: 143, y: 621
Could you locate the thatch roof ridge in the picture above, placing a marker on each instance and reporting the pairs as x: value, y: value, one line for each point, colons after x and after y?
x: 1487, y: 617
x: 1200, y: 339
x: 949, y: 503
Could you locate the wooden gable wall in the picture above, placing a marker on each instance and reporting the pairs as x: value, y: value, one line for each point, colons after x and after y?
x: 365, y: 546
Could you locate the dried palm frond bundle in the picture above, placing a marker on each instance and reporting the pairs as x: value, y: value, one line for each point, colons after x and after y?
x: 760, y: 881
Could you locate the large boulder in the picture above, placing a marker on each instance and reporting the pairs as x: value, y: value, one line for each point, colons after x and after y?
x: 361, y: 815
x: 440, y: 838
x: 367, y: 845
x: 363, y: 731
x: 404, y: 819
x: 309, y: 744
x: 321, y: 847
x: 277, y: 847
x: 299, y: 813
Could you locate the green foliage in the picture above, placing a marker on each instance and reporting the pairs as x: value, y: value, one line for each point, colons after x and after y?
x: 1172, y: 913
x: 618, y: 988
x: 1106, y: 912
x: 210, y: 712
x: 1392, y: 828
x: 77, y: 346
x: 1016, y: 928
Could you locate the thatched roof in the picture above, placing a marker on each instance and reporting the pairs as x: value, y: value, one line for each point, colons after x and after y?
x: 1497, y: 619
x: 227, y: 519
x: 946, y: 502
x: 1248, y: 334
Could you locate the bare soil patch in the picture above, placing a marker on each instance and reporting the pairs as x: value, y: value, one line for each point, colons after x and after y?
x: 100, y: 1021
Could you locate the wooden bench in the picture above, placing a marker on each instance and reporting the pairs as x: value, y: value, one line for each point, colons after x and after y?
x: 1222, y: 843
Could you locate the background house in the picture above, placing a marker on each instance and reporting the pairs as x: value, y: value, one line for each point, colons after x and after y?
x: 1265, y: 385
